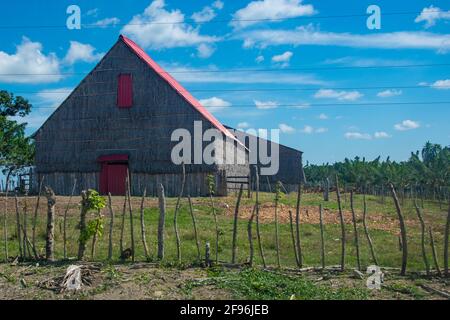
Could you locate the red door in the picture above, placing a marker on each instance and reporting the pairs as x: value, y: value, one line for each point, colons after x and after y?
x: 112, y: 178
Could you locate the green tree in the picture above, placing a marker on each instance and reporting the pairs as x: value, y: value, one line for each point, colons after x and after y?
x: 16, y: 150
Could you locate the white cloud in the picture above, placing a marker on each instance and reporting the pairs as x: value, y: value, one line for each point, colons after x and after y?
x: 407, y: 125
x: 155, y: 28
x: 309, y: 35
x: 52, y: 98
x: 441, y: 84
x: 270, y: 9
x: 29, y: 59
x: 218, y: 4
x: 357, y: 136
x: 432, y: 14
x: 323, y: 116
x: 339, y: 95
x: 368, y: 62
x: 205, y: 51
x: 266, y: 104
x: 307, y: 129
x: 243, y: 125
x: 283, y: 58
x: 321, y: 130
x: 187, y: 74
x: 286, y: 128
x: 107, y: 22
x: 205, y: 15
x: 81, y: 52
x: 389, y: 93
x: 259, y: 59
x: 381, y: 135
x: 215, y: 104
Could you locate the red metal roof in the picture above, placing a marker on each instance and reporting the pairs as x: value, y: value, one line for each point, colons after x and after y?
x: 176, y: 85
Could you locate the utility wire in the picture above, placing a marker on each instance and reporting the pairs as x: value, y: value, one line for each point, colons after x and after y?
x: 190, y: 20
x: 428, y: 65
x: 259, y: 89
x: 307, y: 105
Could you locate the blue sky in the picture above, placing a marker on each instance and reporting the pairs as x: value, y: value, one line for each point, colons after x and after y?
x: 322, y: 50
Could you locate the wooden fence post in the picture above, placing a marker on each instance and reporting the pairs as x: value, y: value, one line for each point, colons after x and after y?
x: 49, y: 243
x: 342, y: 222
x: 291, y: 224
x: 175, y: 215
x: 207, y: 255
x: 111, y: 225
x: 402, y: 230
x: 194, y: 223
x: 250, y: 236
x: 162, y: 221
x: 355, y: 230
x: 19, y: 238
x: 366, y: 231
x: 133, y: 252
x: 122, y: 226
x: 423, y: 230
x: 446, y: 244
x: 82, y: 239
x: 433, y: 250
x: 322, y: 238
x: 297, y: 225
x: 235, y: 221
x: 258, y: 231
x: 65, y: 221
x: 144, y: 239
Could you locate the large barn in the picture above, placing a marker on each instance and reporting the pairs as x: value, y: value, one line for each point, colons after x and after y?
x: 120, y: 119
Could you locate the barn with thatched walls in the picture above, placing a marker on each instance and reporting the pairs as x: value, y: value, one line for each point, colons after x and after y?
x: 120, y: 119
x: 290, y: 171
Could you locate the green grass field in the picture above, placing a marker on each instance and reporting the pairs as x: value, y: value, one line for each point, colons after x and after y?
x: 385, y: 241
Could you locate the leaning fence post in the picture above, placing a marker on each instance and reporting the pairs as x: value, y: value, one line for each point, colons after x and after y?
x: 277, y: 231
x: 161, y: 222
x: 402, y: 231
x: 433, y: 250
x: 366, y: 230
x: 49, y: 243
x: 236, y: 214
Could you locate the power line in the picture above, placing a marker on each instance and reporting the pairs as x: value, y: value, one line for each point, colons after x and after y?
x: 190, y: 20
x: 254, y: 89
x: 310, y: 68
x: 307, y: 105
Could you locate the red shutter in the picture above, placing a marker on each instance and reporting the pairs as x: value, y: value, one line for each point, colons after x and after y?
x: 125, y: 91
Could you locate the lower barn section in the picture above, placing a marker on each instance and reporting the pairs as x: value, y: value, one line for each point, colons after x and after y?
x: 196, y: 186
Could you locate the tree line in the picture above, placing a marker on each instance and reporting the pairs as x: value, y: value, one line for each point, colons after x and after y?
x: 425, y: 173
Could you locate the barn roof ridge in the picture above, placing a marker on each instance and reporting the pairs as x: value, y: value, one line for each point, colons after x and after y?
x: 176, y: 85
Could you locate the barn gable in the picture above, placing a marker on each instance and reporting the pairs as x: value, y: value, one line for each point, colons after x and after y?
x: 89, y: 124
